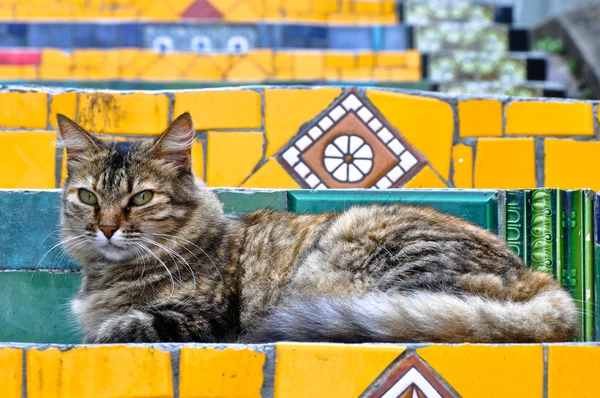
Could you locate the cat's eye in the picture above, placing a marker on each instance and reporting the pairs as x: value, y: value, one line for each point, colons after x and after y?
x: 142, y: 198
x: 87, y: 197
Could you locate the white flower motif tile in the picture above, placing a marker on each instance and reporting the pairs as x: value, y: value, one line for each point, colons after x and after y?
x: 350, y: 146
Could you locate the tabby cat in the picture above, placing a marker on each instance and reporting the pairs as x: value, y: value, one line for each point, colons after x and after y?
x: 162, y: 263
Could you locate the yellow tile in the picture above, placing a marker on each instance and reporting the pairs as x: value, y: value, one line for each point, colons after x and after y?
x: 549, y: 118
x: 241, y: 13
x: 326, y: 370
x: 426, y: 178
x: 63, y: 168
x: 283, y: 60
x: 229, y: 373
x: 366, y: 60
x: 480, y: 118
x: 169, y: 67
x: 357, y: 74
x: 135, y: 65
x: 128, y: 113
x: 309, y: 66
x: 105, y: 371
x: 572, y: 164
x: 427, y: 123
x: 572, y: 371
x: 271, y: 175
x: 505, y: 163
x: 405, y: 74
x: 340, y: 60
x: 226, y: 109
x: 11, y: 375
x: 205, y: 70
x: 27, y: 110
x: 462, y: 159
x: 390, y: 58
x: 263, y: 59
x: 198, y: 159
x: 473, y: 370
x: 64, y: 103
x: 246, y: 71
x: 231, y: 157
x: 286, y: 110
x: 28, y: 159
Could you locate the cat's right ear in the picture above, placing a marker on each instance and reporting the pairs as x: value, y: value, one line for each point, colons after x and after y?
x: 76, y: 140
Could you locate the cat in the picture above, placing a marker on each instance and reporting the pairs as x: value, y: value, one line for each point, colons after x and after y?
x: 162, y: 263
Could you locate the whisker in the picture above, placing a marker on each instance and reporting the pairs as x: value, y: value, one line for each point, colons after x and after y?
x: 150, y: 252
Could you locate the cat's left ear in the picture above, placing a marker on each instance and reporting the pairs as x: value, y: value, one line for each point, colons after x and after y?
x: 175, y: 144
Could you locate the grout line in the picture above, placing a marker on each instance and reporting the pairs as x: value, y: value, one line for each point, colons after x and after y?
x: 175, y: 370
x: 267, y: 389
x: 24, y: 375
x: 540, y: 161
x: 545, y: 377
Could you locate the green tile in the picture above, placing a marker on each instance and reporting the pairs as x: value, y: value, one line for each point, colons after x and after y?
x: 34, y: 307
x: 29, y: 230
x: 545, y: 231
x: 479, y: 207
x: 246, y: 200
x: 517, y: 223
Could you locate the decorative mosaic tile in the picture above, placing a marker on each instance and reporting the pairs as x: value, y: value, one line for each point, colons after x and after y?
x: 471, y: 65
x: 492, y: 40
x: 491, y: 88
x: 201, y: 39
x: 351, y: 146
x: 420, y: 12
x: 410, y: 378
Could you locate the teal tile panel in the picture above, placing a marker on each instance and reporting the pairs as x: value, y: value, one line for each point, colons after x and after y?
x: 29, y: 222
x: 247, y: 200
x: 34, y: 307
x: 479, y: 207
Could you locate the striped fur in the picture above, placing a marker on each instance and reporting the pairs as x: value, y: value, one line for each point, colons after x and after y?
x: 178, y: 270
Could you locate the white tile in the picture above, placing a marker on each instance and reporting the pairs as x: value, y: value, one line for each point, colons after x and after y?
x: 341, y: 174
x: 395, y: 146
x: 365, y: 152
x: 326, y: 123
x: 354, y: 173
x: 365, y: 114
x: 337, y: 113
x: 395, y: 173
x: 315, y: 132
x: 321, y: 186
x: 355, y: 143
x: 407, y: 161
x: 363, y: 165
x: 385, y: 135
x: 301, y: 169
x: 303, y: 142
x: 352, y: 102
x: 332, y: 151
x: 375, y: 125
x: 384, y: 183
x: 312, y: 181
x: 342, y: 142
x: 332, y: 163
x: 291, y: 156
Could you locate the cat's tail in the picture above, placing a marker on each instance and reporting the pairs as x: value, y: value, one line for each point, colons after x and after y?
x: 550, y: 316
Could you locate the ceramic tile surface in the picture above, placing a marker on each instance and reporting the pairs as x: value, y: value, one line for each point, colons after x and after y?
x: 350, y: 147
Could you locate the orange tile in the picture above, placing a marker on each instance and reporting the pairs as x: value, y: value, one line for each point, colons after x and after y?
x: 309, y: 66
x: 549, y: 118
x: 573, y: 371
x: 286, y: 110
x: 505, y: 163
x: 413, y: 117
x: 231, y: 157
x: 271, y: 175
x: 28, y: 159
x: 101, y: 371
x: 572, y: 164
x: 11, y: 375
x: 28, y: 110
x: 480, y: 118
x: 326, y: 370
x: 217, y: 373
x: 473, y: 370
x: 229, y: 109
x: 426, y: 178
x: 462, y: 160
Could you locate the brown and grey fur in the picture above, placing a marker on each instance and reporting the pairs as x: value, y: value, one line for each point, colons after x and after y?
x: 188, y: 273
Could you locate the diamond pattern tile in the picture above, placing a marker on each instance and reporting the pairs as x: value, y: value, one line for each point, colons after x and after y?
x: 351, y: 146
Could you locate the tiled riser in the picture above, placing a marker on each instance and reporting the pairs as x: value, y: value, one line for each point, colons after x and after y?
x: 458, y: 142
x: 299, y: 370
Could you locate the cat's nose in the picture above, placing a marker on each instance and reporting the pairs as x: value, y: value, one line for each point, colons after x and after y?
x: 108, y: 230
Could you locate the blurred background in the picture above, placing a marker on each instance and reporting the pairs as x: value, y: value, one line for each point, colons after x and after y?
x: 521, y: 47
